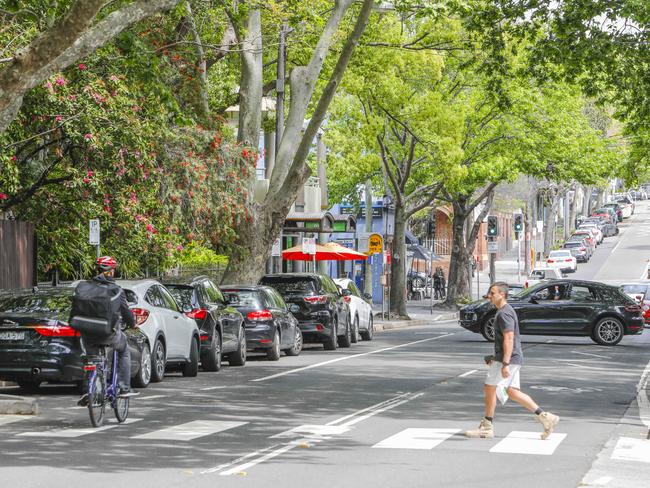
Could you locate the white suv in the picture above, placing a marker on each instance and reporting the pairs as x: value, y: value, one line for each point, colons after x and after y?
x: 174, y: 337
x: 563, y: 260
x: 360, y: 309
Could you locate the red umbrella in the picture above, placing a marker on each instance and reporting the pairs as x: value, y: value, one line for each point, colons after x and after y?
x: 327, y: 252
x: 346, y: 253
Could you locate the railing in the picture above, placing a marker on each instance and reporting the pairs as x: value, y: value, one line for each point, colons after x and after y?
x: 441, y: 247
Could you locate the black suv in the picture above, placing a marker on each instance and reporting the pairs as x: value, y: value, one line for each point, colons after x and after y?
x: 317, y: 303
x: 564, y: 308
x: 221, y: 326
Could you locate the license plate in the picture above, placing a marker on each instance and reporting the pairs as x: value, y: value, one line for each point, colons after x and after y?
x: 12, y: 336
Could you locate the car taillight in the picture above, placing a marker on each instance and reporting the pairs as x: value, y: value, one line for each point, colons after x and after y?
x: 318, y: 299
x: 197, y: 313
x: 526, y: 285
x: 204, y: 337
x: 568, y: 260
x: 141, y: 315
x: 583, y: 249
x: 347, y: 299
x: 56, y: 331
x: 259, y: 316
x: 550, y: 261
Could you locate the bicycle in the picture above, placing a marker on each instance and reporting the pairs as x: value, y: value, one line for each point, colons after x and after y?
x: 102, y: 392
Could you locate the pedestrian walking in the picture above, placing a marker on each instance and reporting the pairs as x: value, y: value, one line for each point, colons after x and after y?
x: 504, y: 366
x: 436, y: 285
x: 443, y: 283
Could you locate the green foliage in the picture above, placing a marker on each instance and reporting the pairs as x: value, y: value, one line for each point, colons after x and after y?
x: 199, y: 256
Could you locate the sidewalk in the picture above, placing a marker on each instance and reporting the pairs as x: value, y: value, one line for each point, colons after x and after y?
x: 420, y: 313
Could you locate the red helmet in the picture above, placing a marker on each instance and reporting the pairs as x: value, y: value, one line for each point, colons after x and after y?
x: 106, y: 263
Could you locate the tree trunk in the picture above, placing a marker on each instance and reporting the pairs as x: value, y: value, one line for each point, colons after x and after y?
x: 367, y: 277
x: 549, y: 223
x: 201, y: 102
x: 251, y: 84
x: 458, y: 282
x: 397, y: 267
x: 573, y: 210
x: 586, y: 202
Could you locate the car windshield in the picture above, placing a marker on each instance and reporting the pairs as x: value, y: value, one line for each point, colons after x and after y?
x: 572, y: 244
x: 243, y: 298
x: 559, y: 253
x: 290, y: 285
x: 56, y: 306
x: 635, y: 289
x: 182, y: 295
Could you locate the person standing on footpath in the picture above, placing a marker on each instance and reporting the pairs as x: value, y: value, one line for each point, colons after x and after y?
x: 504, y: 367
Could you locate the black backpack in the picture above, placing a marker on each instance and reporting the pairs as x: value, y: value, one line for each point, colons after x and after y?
x: 95, y: 308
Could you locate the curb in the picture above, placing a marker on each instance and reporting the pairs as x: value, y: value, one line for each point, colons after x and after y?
x: 15, y: 405
x: 403, y: 324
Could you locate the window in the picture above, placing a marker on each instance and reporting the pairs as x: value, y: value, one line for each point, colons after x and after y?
x: 153, y: 297
x: 270, y: 299
x: 290, y: 285
x: 279, y: 300
x: 182, y: 295
x: 328, y: 285
x: 553, y: 292
x: 213, y: 293
x: 353, y: 288
x: 582, y: 294
x: 168, y: 300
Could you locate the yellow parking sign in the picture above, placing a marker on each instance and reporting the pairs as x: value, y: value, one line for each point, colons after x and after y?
x: 375, y: 244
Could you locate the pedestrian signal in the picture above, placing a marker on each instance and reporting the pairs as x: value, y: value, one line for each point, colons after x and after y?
x: 492, y: 226
x: 519, y: 222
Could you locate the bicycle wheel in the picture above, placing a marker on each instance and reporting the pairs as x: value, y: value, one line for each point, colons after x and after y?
x: 121, y: 409
x: 97, y: 399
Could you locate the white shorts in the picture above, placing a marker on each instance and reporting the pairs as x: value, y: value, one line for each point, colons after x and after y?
x: 495, y: 378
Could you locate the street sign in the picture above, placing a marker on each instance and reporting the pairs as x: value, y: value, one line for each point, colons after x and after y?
x: 493, y: 247
x: 93, y: 238
x: 276, y: 250
x: 309, y: 245
x: 375, y: 244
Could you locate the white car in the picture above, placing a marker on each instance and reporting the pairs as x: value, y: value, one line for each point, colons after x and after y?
x: 360, y: 309
x: 537, y: 275
x: 639, y: 292
x: 595, y: 231
x: 174, y: 337
x: 563, y: 260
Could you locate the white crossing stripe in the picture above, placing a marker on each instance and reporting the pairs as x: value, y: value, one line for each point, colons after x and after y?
x: 9, y: 419
x: 310, y: 430
x: 631, y: 449
x: 416, y: 439
x: 67, y: 432
x: 518, y: 442
x: 190, y: 430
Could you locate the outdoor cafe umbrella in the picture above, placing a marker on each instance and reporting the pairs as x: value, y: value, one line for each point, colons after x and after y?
x: 324, y: 252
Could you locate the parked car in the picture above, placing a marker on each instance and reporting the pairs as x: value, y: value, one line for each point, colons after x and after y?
x: 617, y: 208
x: 588, y: 236
x: 360, y: 309
x: 607, y: 212
x: 638, y: 292
x: 537, y: 275
x: 270, y: 326
x: 605, y: 225
x: 315, y: 301
x: 563, y: 308
x: 563, y: 260
x: 579, y: 250
x: 626, y: 201
x: 584, y: 242
x: 174, y: 337
x: 221, y: 326
x: 595, y: 230
x: 37, y: 344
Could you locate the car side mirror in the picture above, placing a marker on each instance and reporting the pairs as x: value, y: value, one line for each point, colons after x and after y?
x: 368, y: 297
x: 346, y: 293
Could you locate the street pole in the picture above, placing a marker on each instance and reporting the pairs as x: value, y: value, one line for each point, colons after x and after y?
x: 493, y: 272
x: 478, y: 282
x: 518, y: 257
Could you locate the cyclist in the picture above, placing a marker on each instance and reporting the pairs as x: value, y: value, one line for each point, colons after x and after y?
x: 117, y: 340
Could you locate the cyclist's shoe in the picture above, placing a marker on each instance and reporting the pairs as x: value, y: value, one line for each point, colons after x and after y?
x: 83, y: 401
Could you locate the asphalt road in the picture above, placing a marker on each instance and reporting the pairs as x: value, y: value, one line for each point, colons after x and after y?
x: 386, y: 413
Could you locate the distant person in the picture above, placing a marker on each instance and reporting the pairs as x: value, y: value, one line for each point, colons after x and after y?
x: 504, y: 366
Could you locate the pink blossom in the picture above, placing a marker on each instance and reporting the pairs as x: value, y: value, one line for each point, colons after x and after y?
x: 90, y: 174
x: 48, y: 85
x: 133, y: 198
x: 73, y: 97
x: 13, y: 158
x: 58, y: 118
x: 86, y: 180
x: 139, y: 218
x: 60, y: 81
x: 82, y: 67
x: 169, y: 245
x: 121, y: 172
x: 150, y: 228
x: 3, y: 196
x: 179, y: 247
x: 88, y: 137
x: 113, y: 78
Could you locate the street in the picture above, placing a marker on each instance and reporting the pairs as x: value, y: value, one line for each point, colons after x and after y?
x: 390, y: 412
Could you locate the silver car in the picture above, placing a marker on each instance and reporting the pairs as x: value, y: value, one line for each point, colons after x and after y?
x: 174, y: 337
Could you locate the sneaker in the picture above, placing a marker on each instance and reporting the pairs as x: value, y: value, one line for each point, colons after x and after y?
x: 83, y: 401
x: 484, y: 431
x: 549, y: 421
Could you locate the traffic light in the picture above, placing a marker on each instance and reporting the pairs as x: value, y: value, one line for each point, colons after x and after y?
x: 519, y: 222
x: 492, y: 226
x: 431, y: 227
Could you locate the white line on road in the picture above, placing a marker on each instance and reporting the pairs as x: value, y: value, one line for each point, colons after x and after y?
x: 239, y: 460
x: 213, y: 388
x: 518, y: 442
x: 368, y: 409
x: 415, y: 438
x: 352, y: 356
x: 642, y: 396
x: 644, y: 274
x: 66, y: 432
x: 632, y: 449
x: 590, y: 354
x: 8, y: 419
x: 585, y: 366
x: 265, y: 457
x: 152, y: 397
x: 190, y: 430
x: 616, y: 246
x: 468, y: 373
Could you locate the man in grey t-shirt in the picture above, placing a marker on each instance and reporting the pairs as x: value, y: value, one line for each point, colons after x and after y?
x: 504, y: 366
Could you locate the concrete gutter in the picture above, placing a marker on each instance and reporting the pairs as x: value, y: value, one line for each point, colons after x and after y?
x: 15, y: 405
x: 380, y: 326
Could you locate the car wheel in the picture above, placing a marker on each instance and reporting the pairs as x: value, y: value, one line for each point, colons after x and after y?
x: 29, y: 385
x: 211, y: 360
x: 367, y: 335
x: 192, y: 367
x: 143, y: 377
x: 331, y: 344
x: 355, y: 330
x: 608, y: 331
x: 296, y: 349
x: 158, y: 360
x: 238, y: 358
x: 487, y: 328
x: 273, y: 354
x: 346, y: 339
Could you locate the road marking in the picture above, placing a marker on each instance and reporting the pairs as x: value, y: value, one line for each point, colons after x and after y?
x: 353, y: 356
x: 213, y: 388
x: 265, y: 457
x: 631, y: 449
x: 616, y: 246
x: 416, y: 439
x: 585, y: 366
x: 9, y: 419
x: 518, y: 442
x: 464, y: 375
x: 67, y: 432
x: 152, y: 397
x: 127, y: 421
x: 376, y: 406
x: 642, y: 396
x: 602, y: 481
x: 313, y: 431
x: 190, y: 430
x: 590, y: 354
x: 239, y: 459
x: 644, y: 274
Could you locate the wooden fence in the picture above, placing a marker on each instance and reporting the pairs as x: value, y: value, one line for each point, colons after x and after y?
x: 17, y: 255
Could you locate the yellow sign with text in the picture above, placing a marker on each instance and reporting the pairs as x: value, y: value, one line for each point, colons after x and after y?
x: 375, y: 244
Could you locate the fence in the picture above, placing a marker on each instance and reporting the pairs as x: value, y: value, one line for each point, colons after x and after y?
x: 17, y: 255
